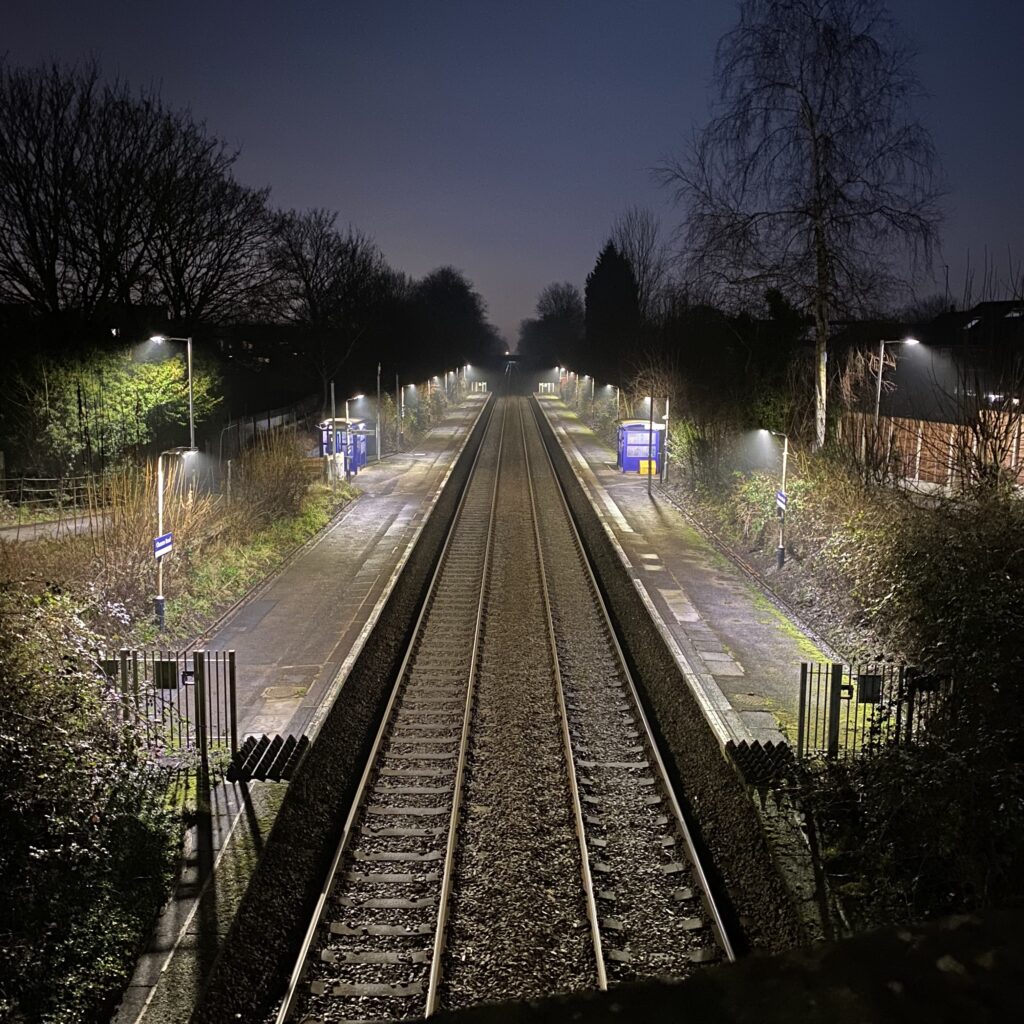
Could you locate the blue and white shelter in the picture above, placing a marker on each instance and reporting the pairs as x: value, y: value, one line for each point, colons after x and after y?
x: 639, y: 448
x: 349, y: 442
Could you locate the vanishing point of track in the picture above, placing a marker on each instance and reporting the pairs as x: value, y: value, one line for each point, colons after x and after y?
x: 514, y: 832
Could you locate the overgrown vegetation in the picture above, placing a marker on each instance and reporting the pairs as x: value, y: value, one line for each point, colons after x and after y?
x: 221, y: 548
x: 935, y: 581
x: 92, y: 826
x: 100, y: 411
x: 88, y: 849
x: 938, y: 827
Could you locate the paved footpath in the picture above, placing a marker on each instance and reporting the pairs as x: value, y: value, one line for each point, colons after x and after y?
x: 293, y: 640
x: 739, y: 652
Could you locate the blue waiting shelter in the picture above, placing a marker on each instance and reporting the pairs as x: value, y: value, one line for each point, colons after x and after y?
x: 349, y: 442
x: 637, y: 446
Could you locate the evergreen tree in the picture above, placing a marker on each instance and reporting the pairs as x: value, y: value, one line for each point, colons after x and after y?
x: 612, y: 316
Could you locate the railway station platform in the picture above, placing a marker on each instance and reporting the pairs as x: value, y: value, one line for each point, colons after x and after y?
x: 739, y: 652
x: 294, y: 639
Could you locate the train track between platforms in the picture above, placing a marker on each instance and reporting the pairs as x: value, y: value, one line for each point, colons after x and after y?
x: 514, y: 833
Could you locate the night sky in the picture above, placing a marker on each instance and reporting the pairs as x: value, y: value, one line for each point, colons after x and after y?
x: 503, y: 138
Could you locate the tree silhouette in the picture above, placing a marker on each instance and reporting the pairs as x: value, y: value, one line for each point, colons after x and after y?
x: 556, y: 335
x: 812, y: 178
x: 612, y: 316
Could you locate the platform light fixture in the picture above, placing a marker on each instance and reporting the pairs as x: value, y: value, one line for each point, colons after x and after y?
x: 159, y: 601
x: 881, y: 368
x: 780, y: 551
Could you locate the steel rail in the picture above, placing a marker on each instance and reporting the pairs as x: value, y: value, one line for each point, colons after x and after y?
x: 707, y: 897
x: 577, y: 803
x: 288, y: 1006
x: 434, y: 986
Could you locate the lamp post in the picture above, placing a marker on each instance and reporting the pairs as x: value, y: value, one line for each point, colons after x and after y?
x: 664, y: 446
x: 334, y: 442
x: 881, y: 366
x: 160, y: 602
x: 348, y: 437
x: 160, y: 339
x: 650, y: 440
x: 780, y: 551
x: 376, y: 427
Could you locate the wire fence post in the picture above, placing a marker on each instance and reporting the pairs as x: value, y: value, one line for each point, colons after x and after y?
x: 123, y: 673
x: 234, y: 706
x: 803, y: 711
x: 835, y: 698
x: 199, y: 675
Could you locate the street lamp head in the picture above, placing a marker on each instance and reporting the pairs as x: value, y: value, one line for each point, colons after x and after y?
x: 355, y: 398
x: 158, y: 338
x: 911, y: 341
x: 182, y: 450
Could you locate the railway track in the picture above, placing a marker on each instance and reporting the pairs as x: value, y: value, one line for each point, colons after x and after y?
x: 514, y: 832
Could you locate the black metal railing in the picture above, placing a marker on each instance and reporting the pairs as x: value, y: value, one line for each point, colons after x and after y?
x: 849, y: 710
x: 182, y: 701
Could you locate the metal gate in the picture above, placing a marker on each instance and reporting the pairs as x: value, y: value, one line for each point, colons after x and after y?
x: 181, y: 700
x: 847, y: 710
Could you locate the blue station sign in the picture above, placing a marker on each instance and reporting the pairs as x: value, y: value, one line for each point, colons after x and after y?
x: 162, y: 545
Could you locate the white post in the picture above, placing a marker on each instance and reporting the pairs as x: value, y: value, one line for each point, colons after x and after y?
x: 348, y: 445
x: 158, y: 601
x: 781, y: 553
x: 878, y: 390
x: 191, y: 420
x: 650, y: 441
x: 664, y: 446
x: 334, y: 442
x: 376, y: 428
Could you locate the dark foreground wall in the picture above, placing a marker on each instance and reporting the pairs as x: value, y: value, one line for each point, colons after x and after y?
x: 966, y: 970
x: 254, y: 964
x: 724, y: 819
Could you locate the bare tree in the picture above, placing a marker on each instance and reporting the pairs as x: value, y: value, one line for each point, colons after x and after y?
x: 328, y: 282
x: 45, y: 120
x: 209, y: 250
x: 812, y: 177
x: 108, y: 196
x: 560, y: 302
x: 637, y: 235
